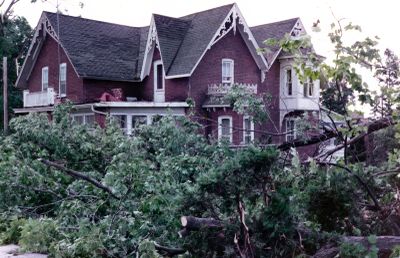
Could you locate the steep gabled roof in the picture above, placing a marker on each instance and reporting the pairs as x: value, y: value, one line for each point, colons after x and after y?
x: 108, y: 51
x: 203, y: 27
x: 276, y: 30
x: 98, y: 49
x: 171, y: 33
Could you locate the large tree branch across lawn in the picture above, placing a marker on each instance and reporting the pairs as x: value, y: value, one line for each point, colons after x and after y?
x: 79, y: 176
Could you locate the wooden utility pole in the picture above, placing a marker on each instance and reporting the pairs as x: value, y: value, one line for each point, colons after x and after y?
x: 5, y: 95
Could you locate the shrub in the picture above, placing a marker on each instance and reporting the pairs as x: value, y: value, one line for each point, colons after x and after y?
x: 11, y: 230
x: 348, y: 250
x: 39, y: 235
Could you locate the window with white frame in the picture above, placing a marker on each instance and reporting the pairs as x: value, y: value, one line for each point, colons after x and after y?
x: 225, y: 128
x: 159, y: 75
x: 227, y: 71
x: 84, y: 119
x: 121, y: 121
x: 63, y: 80
x: 248, y: 130
x: 45, y: 78
x: 290, y: 130
x: 289, y: 81
x: 308, y: 88
x: 137, y: 121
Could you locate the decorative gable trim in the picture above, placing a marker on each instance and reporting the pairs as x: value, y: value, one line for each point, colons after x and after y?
x: 297, y: 31
x: 234, y: 17
x: 231, y: 22
x: 152, y: 43
x: 46, y: 28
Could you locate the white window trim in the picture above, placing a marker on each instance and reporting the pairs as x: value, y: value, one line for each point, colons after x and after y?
x: 251, y: 129
x: 220, y: 128
x: 83, y: 115
x: 45, y: 69
x: 232, y: 62
x: 63, y: 65
x: 155, y: 77
x: 285, y: 81
x: 294, y: 131
x: 129, y: 126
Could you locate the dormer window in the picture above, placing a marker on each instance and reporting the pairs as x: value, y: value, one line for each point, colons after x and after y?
x: 289, y: 82
x: 308, y: 88
x: 63, y: 80
x: 227, y: 71
x: 45, y: 78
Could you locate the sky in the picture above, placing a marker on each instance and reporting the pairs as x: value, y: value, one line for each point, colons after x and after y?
x: 376, y: 18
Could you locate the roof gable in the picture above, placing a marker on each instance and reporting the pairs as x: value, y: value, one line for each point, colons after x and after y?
x: 276, y: 30
x: 171, y: 33
x: 98, y: 49
x: 107, y: 51
x: 203, y: 27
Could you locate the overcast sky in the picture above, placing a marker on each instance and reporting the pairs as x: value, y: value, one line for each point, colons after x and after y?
x: 377, y: 18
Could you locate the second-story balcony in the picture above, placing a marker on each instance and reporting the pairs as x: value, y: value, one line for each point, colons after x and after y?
x: 222, y: 89
x: 39, y: 98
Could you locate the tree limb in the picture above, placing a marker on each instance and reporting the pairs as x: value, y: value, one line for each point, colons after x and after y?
x: 79, y: 176
x: 169, y: 250
x: 359, y: 179
x: 194, y: 223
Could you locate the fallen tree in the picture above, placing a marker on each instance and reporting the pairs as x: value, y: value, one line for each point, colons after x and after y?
x: 385, y: 245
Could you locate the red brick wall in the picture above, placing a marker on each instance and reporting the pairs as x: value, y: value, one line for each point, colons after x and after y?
x: 237, y: 124
x: 209, y: 70
x: 48, y: 56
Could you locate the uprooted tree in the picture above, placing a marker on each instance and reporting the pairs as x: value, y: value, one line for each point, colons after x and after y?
x: 74, y: 191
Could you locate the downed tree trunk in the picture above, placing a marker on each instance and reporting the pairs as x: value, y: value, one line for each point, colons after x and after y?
x: 170, y: 251
x: 385, y: 244
x: 194, y: 223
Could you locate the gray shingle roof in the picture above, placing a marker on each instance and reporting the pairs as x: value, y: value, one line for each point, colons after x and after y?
x: 116, y: 52
x: 276, y: 30
x: 99, y: 49
x: 203, y: 27
x: 170, y: 32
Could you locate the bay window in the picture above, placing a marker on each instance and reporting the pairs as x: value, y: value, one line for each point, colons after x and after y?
x: 290, y: 130
x: 289, y: 81
x: 308, y: 88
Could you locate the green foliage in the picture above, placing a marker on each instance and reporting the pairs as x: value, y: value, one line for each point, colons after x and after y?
x: 13, y: 45
x: 10, y: 231
x: 348, y: 250
x: 38, y: 235
x: 395, y: 252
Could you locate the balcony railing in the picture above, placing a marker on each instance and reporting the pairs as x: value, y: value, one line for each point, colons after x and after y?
x: 39, y: 98
x: 221, y: 89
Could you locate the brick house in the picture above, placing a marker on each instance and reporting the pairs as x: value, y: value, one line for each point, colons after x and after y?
x: 137, y: 73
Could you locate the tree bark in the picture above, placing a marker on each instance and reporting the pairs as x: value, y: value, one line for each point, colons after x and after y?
x: 170, y: 251
x: 194, y: 223
x: 80, y: 176
x: 385, y: 244
x: 5, y: 96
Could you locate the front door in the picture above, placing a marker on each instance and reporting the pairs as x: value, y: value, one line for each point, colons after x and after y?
x: 159, y: 85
